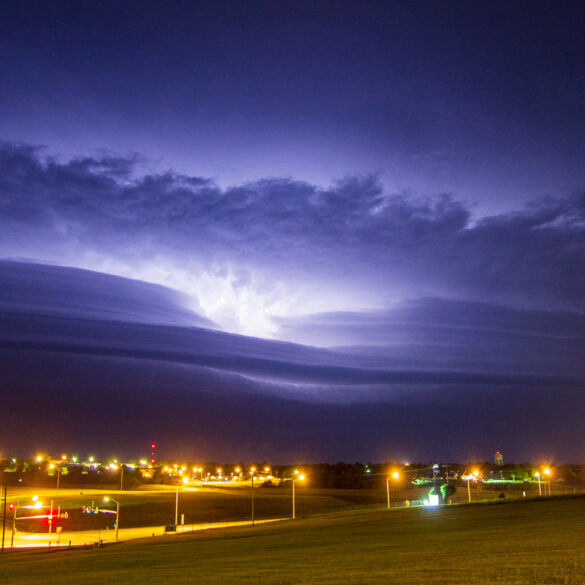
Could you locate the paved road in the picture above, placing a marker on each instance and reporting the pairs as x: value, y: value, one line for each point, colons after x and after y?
x: 90, y: 538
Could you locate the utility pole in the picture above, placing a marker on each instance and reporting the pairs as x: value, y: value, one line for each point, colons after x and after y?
x: 252, y: 498
x: 4, y: 517
x: 13, y: 524
x: 177, y: 506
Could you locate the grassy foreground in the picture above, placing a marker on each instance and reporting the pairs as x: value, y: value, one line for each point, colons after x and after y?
x: 209, y: 504
x: 523, y: 542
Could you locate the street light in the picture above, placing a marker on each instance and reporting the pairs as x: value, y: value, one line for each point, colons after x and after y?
x: 547, y: 473
x: 395, y: 475
x: 475, y: 474
x: 108, y: 499
x: 51, y: 467
x: 177, y: 505
x: 539, y: 486
x: 294, y: 479
x: 252, y: 470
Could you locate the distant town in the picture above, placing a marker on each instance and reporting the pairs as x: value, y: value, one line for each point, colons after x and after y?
x: 71, y: 470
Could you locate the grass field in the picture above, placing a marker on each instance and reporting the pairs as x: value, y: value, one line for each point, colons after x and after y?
x: 520, y: 542
x: 214, y: 504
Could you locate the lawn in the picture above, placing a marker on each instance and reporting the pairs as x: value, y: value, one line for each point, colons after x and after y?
x: 520, y: 542
x: 211, y: 504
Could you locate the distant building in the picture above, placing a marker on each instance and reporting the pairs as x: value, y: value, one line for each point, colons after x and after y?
x: 499, y: 459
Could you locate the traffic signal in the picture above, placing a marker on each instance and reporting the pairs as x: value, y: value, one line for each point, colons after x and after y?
x: 11, y: 506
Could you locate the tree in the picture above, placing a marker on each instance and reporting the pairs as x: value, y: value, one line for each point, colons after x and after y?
x: 447, y: 490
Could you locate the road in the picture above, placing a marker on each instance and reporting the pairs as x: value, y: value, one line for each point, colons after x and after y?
x: 90, y: 538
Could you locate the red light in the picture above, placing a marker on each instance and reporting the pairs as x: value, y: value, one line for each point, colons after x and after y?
x: 153, y: 446
x: 11, y: 506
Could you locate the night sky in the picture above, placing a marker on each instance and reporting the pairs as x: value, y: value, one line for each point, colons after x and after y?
x: 293, y: 231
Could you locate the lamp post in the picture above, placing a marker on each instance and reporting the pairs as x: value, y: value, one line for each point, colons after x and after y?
x: 51, y: 467
x: 301, y: 478
x: 539, y: 486
x: 177, y: 505
x: 547, y: 473
x: 107, y: 499
x: 4, y: 516
x: 252, y: 472
x: 475, y: 475
x: 395, y: 475
x: 13, y: 524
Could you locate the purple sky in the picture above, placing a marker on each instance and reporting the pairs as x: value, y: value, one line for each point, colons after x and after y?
x: 325, y: 209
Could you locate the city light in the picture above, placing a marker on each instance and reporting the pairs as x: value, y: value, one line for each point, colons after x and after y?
x: 395, y: 475
x: 297, y: 477
x: 108, y: 499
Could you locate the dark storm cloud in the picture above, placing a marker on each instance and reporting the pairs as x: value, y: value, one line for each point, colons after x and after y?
x: 480, y: 98
x: 103, y: 406
x: 27, y: 288
x: 81, y: 352
x: 422, y: 344
x: 393, y: 244
x: 437, y: 335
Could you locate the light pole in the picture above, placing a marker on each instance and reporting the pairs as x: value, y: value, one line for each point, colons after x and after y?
x: 4, y: 516
x: 301, y: 478
x: 475, y: 474
x: 13, y: 523
x: 177, y: 505
x: 547, y: 473
x: 252, y: 472
x: 121, y: 477
x: 539, y: 486
x: 395, y: 475
x: 52, y: 466
x: 107, y: 499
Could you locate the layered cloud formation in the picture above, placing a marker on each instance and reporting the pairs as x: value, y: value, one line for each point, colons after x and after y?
x: 108, y: 364
x: 281, y: 247
x: 405, y: 327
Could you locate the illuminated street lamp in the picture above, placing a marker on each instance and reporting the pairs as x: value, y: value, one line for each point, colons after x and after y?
x: 473, y: 475
x: 539, y: 486
x: 252, y: 470
x: 546, y: 472
x: 395, y: 475
x: 51, y: 467
x: 301, y: 478
x: 107, y: 499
